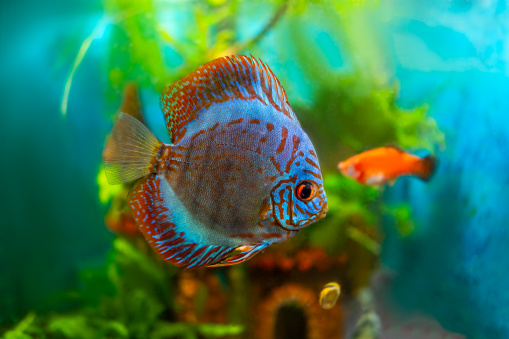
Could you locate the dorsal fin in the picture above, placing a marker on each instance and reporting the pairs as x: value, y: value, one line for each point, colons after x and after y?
x: 223, y: 79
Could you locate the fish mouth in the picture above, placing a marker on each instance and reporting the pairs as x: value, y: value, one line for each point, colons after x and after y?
x: 323, y: 211
x: 320, y: 215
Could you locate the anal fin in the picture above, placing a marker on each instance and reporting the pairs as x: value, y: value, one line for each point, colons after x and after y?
x: 169, y: 230
x: 246, y: 252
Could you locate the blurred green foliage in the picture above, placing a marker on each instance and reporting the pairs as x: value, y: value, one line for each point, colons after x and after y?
x: 135, y: 48
x: 131, y: 297
x: 349, y: 204
x: 81, y: 326
x: 402, y: 215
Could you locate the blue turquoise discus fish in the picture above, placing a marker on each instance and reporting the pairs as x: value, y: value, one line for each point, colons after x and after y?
x: 240, y: 173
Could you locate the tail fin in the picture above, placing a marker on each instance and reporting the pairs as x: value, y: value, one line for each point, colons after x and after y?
x: 429, y: 164
x: 130, y: 151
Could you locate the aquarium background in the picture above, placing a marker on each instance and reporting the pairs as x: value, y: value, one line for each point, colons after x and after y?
x: 430, y: 76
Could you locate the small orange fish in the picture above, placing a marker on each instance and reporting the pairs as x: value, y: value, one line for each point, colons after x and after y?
x: 386, y: 164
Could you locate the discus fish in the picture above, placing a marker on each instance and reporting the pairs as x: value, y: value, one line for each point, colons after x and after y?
x: 239, y: 175
x: 386, y: 164
x: 329, y: 295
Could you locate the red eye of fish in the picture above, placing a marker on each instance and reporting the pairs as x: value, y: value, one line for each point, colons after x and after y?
x: 305, y: 190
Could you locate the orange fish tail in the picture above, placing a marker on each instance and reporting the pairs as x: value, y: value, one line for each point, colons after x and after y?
x: 427, y: 167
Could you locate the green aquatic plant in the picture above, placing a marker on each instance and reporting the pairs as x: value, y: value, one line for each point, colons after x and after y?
x: 131, y: 297
x: 24, y: 329
x: 135, y: 48
x: 106, y: 191
x: 85, y: 45
x: 85, y: 326
x: 350, y: 204
x: 402, y: 217
x: 355, y: 117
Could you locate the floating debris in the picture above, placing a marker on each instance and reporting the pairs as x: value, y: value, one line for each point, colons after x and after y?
x: 329, y: 295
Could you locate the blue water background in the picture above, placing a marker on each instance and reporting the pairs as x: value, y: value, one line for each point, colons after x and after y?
x: 51, y: 220
x: 454, y: 57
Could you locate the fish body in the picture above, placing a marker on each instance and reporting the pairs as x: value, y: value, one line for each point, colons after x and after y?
x: 329, y: 295
x: 239, y: 175
x: 386, y: 164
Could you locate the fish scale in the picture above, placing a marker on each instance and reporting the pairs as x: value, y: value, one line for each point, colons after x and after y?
x: 226, y: 188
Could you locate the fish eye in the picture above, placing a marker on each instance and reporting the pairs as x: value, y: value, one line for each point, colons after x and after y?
x: 305, y: 190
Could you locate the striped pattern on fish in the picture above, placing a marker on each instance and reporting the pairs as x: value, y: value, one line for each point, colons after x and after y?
x: 227, y: 187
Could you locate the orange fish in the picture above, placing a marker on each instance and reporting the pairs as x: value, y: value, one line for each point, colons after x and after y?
x: 386, y: 164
